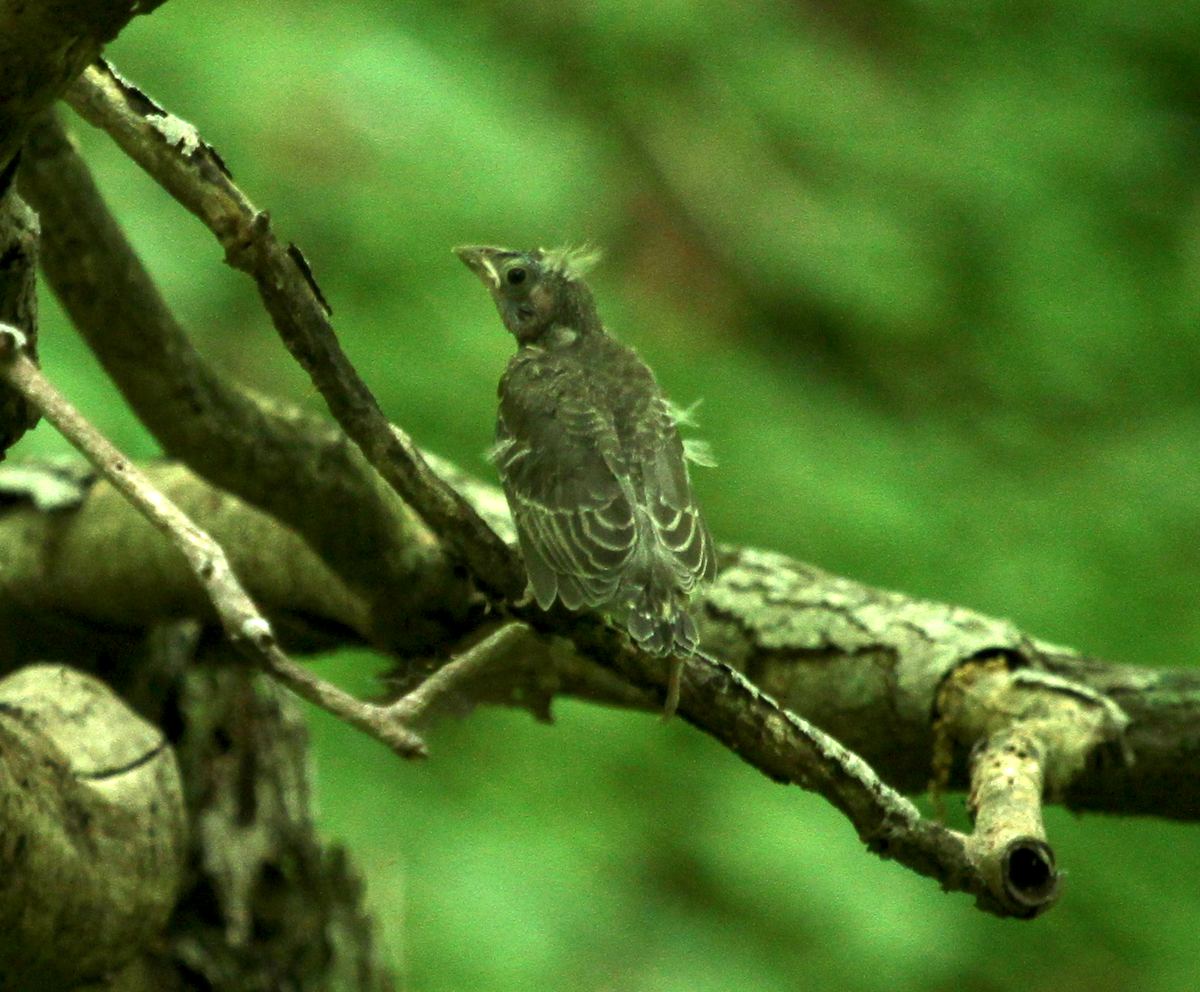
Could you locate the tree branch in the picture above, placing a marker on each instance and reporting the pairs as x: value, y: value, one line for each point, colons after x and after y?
x: 1009, y: 840
x: 299, y: 469
x: 171, y: 151
x: 245, y: 626
x: 728, y: 704
x: 92, y: 830
x: 841, y: 654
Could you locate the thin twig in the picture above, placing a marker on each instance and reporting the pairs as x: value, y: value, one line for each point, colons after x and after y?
x: 245, y: 626
x: 171, y: 151
x: 412, y: 708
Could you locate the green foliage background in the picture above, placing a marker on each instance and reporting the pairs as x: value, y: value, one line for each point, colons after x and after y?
x: 934, y: 269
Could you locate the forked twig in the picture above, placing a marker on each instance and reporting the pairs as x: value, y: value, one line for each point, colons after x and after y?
x: 242, y: 621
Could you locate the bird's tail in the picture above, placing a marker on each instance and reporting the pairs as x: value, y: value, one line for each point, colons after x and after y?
x: 661, y: 625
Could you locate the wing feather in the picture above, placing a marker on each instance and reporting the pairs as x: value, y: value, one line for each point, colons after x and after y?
x: 601, y: 500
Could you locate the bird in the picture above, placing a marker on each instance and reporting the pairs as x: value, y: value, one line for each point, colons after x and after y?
x: 591, y: 460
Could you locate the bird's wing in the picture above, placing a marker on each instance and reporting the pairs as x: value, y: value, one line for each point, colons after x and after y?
x: 667, y: 496
x: 575, y: 523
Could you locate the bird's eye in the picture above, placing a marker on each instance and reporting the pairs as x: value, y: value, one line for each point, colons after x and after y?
x: 516, y: 275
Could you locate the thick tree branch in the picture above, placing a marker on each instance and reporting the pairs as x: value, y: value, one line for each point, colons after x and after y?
x: 43, y: 47
x: 842, y: 654
x: 60, y: 563
x: 743, y: 718
x: 92, y: 830
x: 845, y: 655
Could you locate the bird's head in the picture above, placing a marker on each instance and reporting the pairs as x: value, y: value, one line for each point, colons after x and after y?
x: 537, y: 291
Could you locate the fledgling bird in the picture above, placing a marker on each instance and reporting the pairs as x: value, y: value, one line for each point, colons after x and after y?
x: 591, y: 460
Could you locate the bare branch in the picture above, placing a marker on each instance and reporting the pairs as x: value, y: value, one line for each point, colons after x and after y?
x: 246, y: 627
x: 413, y: 707
x: 743, y: 716
x: 65, y: 594
x: 171, y: 151
x: 914, y: 646
x: 1008, y: 844
x: 843, y: 654
x: 296, y: 467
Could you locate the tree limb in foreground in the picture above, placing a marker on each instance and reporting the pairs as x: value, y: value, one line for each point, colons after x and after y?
x: 171, y: 151
x: 92, y: 830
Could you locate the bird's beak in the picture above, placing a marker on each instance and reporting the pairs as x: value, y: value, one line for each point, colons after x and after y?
x: 479, y: 260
